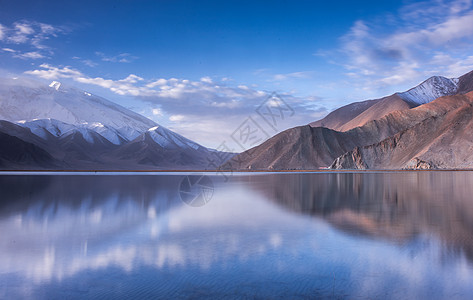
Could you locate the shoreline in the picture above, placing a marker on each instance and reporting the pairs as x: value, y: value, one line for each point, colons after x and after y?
x: 216, y: 172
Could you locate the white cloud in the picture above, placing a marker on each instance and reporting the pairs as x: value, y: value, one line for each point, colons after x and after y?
x: 459, y: 6
x: 2, y: 33
x: 132, y: 78
x: 206, y: 79
x: 400, y: 74
x: 451, y: 30
x: 8, y: 50
x: 21, y: 33
x: 31, y: 35
x: 231, y: 104
x: 50, y: 72
x: 157, y: 112
x: 454, y: 66
x: 159, y: 82
x: 120, y: 58
x: 24, y: 28
x: 29, y: 55
x: 407, y: 50
x: 296, y: 75
x: 176, y: 118
x: 89, y: 63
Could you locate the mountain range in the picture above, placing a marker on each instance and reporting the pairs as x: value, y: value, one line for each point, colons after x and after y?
x: 59, y: 127
x: 426, y: 127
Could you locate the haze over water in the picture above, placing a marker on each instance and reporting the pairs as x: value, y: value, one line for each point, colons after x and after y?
x: 287, y: 235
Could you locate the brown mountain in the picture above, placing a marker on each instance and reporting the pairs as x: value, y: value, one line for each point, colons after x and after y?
x: 442, y: 141
x: 465, y: 83
x: 359, y: 113
x: 394, y: 132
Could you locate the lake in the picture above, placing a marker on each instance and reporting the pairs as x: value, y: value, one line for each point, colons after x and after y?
x: 366, y: 235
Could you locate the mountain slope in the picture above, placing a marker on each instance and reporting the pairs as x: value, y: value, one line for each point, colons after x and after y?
x: 44, y: 127
x: 339, y: 117
x: 441, y: 141
x: 155, y: 149
x: 359, y: 113
x: 18, y: 154
x: 465, y: 83
x: 430, y: 89
x: 380, y: 109
x: 301, y: 147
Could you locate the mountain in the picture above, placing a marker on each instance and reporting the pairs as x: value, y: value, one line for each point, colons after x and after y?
x: 27, y: 100
x: 431, y: 89
x: 359, y: 113
x: 18, y: 154
x: 79, y: 130
x: 303, y: 147
x: 442, y: 141
x: 375, y: 135
x: 44, y: 127
x: 161, y: 147
x: 465, y: 83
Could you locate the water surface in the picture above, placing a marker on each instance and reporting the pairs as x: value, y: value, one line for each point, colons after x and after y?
x: 405, y: 235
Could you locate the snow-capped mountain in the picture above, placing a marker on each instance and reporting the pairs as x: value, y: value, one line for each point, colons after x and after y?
x: 431, y: 89
x: 83, y: 131
x: 169, y: 140
x: 62, y: 110
x: 27, y: 100
x: 359, y: 113
x: 44, y: 127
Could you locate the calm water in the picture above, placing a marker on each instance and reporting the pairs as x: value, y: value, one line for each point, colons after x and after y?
x: 289, y: 236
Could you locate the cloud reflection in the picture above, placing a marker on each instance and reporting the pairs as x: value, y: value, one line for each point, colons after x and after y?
x: 333, y: 233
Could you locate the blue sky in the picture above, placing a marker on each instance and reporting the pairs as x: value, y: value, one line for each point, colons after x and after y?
x: 202, y: 67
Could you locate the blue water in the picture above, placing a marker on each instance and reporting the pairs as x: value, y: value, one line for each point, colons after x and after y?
x: 403, y: 235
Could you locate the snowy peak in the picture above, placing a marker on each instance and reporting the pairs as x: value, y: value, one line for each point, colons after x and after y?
x: 431, y: 89
x: 47, y: 112
x: 165, y: 138
x: 55, y: 85
x: 44, y: 128
x: 28, y: 100
x: 170, y: 140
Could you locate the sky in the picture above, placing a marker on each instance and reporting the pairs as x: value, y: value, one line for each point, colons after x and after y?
x: 202, y: 68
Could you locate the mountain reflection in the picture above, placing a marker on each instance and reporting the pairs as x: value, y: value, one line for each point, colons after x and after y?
x: 299, y: 229
x: 397, y: 206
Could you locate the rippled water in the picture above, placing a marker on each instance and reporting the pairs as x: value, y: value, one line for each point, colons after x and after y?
x: 406, y: 235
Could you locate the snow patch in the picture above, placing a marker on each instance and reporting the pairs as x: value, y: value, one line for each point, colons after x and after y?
x: 431, y: 89
x: 55, y: 84
x: 171, y: 140
x: 43, y: 127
